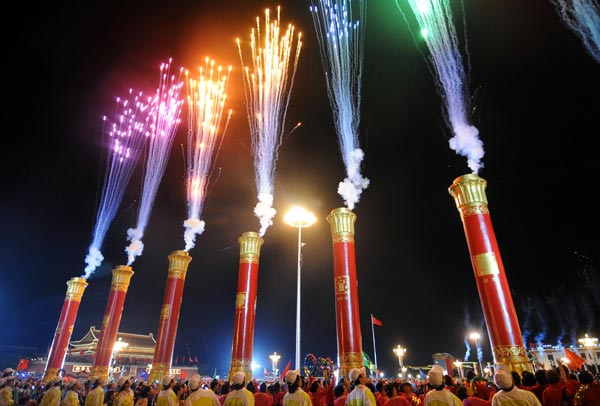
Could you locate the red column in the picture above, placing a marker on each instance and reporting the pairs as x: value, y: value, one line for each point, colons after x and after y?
x: 347, y: 313
x: 169, y: 315
x: 245, y: 305
x: 501, y: 320
x: 112, y: 319
x: 64, y: 329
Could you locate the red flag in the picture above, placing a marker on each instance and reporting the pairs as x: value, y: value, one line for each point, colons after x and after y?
x: 285, y: 370
x: 574, y: 359
x: 266, y: 372
x: 183, y: 375
x: 196, y: 359
x: 376, y: 321
x: 190, y: 360
x: 23, y: 364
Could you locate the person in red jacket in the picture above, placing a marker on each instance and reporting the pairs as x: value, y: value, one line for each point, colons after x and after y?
x: 589, y: 392
x: 554, y: 392
x: 262, y: 398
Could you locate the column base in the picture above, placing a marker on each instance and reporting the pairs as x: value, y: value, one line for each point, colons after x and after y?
x: 158, y: 371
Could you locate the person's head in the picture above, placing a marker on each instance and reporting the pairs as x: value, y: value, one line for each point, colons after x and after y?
x: 57, y: 381
x: 145, y: 391
x: 540, y: 377
x: 516, y: 378
x: 470, y: 375
x: 379, y: 386
x: 293, y: 380
x: 73, y: 385
x: 177, y: 388
x: 9, y: 380
x: 124, y: 383
x: 448, y: 381
x: 263, y: 387
x: 436, y: 376
x: 7, y: 372
x: 553, y: 376
x: 250, y: 387
x: 214, y: 385
x: 314, y: 387
x: 339, y: 390
x: 406, y: 387
x: 358, y: 376
x: 390, y: 390
x: 167, y: 382
x: 238, y: 380
x: 461, y: 392
x: 585, y: 377
x: 503, y: 379
x: 528, y: 379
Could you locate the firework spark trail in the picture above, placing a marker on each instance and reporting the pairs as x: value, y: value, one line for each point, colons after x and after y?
x: 267, y: 88
x: 165, y: 110
x: 127, y: 133
x: 583, y: 18
x: 435, y: 20
x: 206, y: 102
x: 468, y: 351
x: 341, y: 44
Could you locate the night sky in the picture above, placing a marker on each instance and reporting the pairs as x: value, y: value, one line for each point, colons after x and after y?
x: 534, y: 95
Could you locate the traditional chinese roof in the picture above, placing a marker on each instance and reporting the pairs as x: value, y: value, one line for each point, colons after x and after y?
x: 135, y: 341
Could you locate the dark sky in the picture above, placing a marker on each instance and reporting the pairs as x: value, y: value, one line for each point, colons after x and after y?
x: 535, y: 101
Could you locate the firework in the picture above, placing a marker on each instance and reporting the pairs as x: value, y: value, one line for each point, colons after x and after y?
x: 127, y: 132
x: 583, y: 18
x: 341, y: 44
x: 437, y: 28
x: 267, y: 87
x: 165, y: 109
x: 206, y: 102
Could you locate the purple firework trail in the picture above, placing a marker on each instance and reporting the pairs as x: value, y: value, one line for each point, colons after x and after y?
x: 127, y: 133
x: 165, y: 110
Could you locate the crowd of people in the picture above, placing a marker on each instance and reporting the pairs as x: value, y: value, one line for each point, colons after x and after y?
x: 555, y: 387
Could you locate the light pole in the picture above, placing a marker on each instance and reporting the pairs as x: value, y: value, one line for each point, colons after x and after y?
x: 458, y: 365
x: 400, y: 351
x: 274, y: 359
x: 590, y: 342
x: 117, y: 347
x: 475, y: 337
x: 299, y: 218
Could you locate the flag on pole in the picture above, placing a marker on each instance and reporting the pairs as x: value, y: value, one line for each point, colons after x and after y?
x: 574, y: 359
x: 23, y: 364
x: 376, y: 321
x: 196, y: 359
x: 285, y: 370
x: 265, y: 371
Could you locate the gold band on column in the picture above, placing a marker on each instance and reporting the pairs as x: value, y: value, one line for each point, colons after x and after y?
x: 121, y: 278
x: 250, y: 243
x: 50, y: 374
x: 75, y: 288
x: 178, y: 264
x: 241, y: 365
x: 341, y: 222
x: 100, y: 371
x: 159, y: 370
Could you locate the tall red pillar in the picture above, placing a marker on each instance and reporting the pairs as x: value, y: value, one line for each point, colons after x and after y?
x: 245, y: 305
x: 112, y: 319
x: 349, y: 339
x: 64, y: 328
x: 169, y: 315
x: 499, y: 311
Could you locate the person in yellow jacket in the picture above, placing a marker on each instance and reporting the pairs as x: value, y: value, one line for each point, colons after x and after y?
x: 125, y: 395
x: 166, y: 396
x: 72, y: 395
x: 238, y: 394
x: 360, y: 394
x: 200, y: 396
x: 96, y: 395
x: 53, y: 395
x: 438, y: 394
x: 295, y: 396
x: 6, y: 397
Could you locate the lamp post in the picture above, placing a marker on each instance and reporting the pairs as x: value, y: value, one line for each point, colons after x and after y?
x: 274, y: 359
x: 299, y: 218
x: 118, y: 347
x: 400, y: 351
x: 590, y: 342
x: 475, y: 337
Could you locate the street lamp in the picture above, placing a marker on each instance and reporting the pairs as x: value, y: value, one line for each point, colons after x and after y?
x: 117, y: 347
x: 299, y: 218
x: 400, y: 351
x: 274, y: 359
x: 475, y: 337
x: 589, y: 343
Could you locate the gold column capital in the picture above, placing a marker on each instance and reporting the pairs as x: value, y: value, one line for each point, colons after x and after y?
x: 468, y: 192
x: 342, y: 221
x: 250, y: 243
x: 178, y: 264
x: 121, y: 277
x: 75, y: 288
